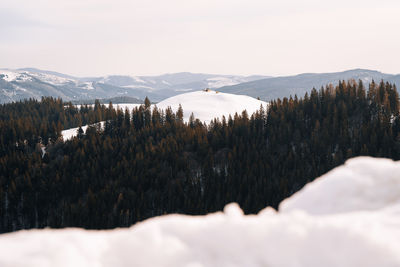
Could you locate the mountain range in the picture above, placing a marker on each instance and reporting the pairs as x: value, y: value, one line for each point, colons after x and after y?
x: 34, y: 83
x: 279, y: 87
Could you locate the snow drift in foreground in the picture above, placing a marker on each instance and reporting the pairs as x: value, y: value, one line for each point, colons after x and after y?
x: 207, y: 105
x: 348, y: 217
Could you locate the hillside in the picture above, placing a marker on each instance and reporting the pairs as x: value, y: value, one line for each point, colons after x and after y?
x: 279, y: 87
x: 347, y: 217
x: 207, y: 105
x: 146, y: 163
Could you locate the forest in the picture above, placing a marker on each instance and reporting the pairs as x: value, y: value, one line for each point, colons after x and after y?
x: 149, y: 162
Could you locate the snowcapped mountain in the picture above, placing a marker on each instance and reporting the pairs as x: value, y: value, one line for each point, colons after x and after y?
x: 34, y: 83
x: 348, y: 217
x: 208, y: 104
x: 272, y: 88
x: 29, y: 82
x: 20, y: 84
x: 167, y: 85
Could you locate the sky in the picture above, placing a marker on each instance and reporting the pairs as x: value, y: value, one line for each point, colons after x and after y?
x: 242, y: 37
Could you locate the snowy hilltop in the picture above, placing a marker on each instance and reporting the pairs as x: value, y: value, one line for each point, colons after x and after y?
x: 348, y: 217
x: 208, y: 104
x: 205, y: 106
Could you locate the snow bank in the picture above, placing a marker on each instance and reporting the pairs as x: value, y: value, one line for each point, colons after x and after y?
x: 347, y: 231
x: 361, y: 184
x: 211, y: 104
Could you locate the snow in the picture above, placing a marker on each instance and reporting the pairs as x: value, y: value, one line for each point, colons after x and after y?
x: 183, y: 90
x: 212, y: 104
x: 72, y: 132
x: 328, y: 223
x: 43, y: 149
x: 353, y: 187
x: 165, y: 82
x: 138, y: 79
x: 51, y: 79
x: 122, y: 106
x: 217, y: 82
x: 8, y: 93
x: 205, y: 106
x: 44, y: 77
x: 138, y: 86
x: 11, y: 76
x: 87, y: 85
x: 128, y: 106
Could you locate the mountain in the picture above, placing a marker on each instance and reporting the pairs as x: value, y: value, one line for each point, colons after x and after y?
x: 21, y: 84
x: 34, y: 83
x: 352, y: 211
x: 208, y: 104
x: 279, y: 87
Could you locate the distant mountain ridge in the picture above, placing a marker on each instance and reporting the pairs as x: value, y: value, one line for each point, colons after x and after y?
x: 279, y: 87
x: 34, y: 83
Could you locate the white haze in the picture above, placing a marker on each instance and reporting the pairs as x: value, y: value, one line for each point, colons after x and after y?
x: 271, y: 37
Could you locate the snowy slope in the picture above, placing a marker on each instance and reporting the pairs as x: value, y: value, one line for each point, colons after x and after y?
x: 68, y: 134
x: 204, y: 105
x: 209, y: 105
x: 348, y: 231
x: 220, y: 81
x: 72, y: 132
x: 11, y: 76
x: 23, y: 75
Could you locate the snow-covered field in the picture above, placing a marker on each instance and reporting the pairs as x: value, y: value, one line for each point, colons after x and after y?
x: 209, y: 105
x: 348, y: 217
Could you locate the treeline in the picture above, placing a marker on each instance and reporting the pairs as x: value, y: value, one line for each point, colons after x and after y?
x: 147, y: 162
x: 32, y: 121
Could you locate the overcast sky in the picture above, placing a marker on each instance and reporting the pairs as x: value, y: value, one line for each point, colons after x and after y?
x: 270, y: 37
